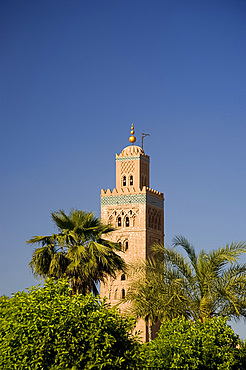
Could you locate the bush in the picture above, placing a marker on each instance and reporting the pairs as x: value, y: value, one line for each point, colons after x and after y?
x: 195, y: 345
x: 47, y: 328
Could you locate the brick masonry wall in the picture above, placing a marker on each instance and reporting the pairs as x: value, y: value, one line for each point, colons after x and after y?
x: 146, y: 221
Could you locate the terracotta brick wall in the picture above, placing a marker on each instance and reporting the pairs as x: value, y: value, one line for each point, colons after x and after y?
x: 141, y: 222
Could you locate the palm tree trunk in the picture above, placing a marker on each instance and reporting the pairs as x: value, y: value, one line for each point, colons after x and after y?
x: 149, y: 330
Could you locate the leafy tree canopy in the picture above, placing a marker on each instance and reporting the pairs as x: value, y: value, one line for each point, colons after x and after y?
x: 186, y: 344
x: 48, y: 328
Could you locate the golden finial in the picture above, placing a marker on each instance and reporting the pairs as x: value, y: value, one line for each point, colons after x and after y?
x: 132, y: 138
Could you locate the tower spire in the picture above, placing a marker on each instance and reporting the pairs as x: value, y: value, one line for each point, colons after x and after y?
x: 132, y: 138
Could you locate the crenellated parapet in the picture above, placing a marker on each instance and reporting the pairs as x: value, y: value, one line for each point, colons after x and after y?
x: 130, y: 196
x: 123, y: 190
x: 132, y: 190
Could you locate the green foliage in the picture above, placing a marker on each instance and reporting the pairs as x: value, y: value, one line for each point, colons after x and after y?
x: 48, y: 328
x: 77, y: 251
x: 197, y: 345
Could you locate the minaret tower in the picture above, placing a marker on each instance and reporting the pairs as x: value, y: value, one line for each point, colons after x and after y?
x: 137, y: 213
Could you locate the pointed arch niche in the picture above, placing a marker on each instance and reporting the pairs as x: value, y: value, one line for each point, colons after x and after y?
x: 131, y: 182
x: 123, y: 181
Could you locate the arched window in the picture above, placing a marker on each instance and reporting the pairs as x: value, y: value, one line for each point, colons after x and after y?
x: 119, y: 221
x: 131, y: 180
x: 125, y: 246
x: 124, y: 181
x: 127, y: 222
x: 123, y: 277
x: 115, y: 294
x: 123, y: 293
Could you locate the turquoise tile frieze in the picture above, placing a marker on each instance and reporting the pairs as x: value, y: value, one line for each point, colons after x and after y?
x: 132, y: 158
x: 132, y: 199
x: 155, y: 202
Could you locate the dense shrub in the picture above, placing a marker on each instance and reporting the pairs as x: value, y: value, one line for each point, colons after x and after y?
x: 47, y: 328
x: 186, y: 344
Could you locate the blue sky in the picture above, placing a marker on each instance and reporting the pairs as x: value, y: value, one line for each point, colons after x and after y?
x: 75, y: 75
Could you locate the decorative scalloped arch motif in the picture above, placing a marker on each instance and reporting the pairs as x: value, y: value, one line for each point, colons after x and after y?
x: 127, y: 167
x: 154, y: 219
x: 118, y: 217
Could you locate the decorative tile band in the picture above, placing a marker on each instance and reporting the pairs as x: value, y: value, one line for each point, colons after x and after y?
x: 132, y: 199
x: 132, y: 158
x: 152, y: 201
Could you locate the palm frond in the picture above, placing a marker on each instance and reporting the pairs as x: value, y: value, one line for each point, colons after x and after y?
x: 41, y: 260
x: 195, y: 286
x: 43, y: 240
x: 62, y: 221
x: 230, y: 253
x: 180, y: 240
x: 178, y: 261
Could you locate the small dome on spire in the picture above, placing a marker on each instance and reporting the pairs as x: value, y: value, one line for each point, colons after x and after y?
x: 132, y: 138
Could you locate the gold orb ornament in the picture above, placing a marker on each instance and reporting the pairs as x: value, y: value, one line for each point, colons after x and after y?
x: 132, y: 138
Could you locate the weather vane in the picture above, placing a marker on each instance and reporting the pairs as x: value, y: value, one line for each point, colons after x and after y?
x: 143, y: 136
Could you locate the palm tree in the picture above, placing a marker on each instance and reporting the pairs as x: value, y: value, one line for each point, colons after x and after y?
x: 155, y: 293
x: 143, y: 296
x: 214, y: 281
x: 78, y: 251
x: 201, y: 286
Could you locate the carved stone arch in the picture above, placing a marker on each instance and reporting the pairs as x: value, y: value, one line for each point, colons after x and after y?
x: 127, y: 221
x: 152, y: 221
x: 159, y: 221
x: 110, y: 220
x: 123, y: 293
x: 131, y: 179
x: 113, y: 217
x: 119, y: 242
x: 119, y: 221
x: 155, y: 221
x: 123, y: 180
x: 125, y: 245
